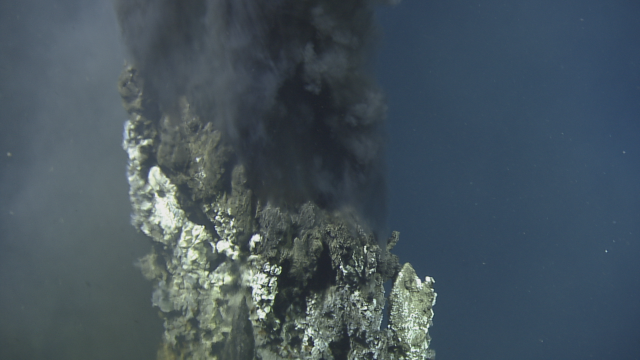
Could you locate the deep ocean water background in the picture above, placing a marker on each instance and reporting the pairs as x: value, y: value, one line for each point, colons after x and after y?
x: 513, y: 159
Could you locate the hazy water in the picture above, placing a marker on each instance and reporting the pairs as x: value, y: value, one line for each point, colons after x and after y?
x: 68, y: 286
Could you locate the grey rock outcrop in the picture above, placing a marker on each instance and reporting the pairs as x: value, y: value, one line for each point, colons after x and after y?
x: 237, y: 279
x: 256, y: 166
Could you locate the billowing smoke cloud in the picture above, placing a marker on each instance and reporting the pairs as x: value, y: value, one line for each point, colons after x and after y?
x: 286, y: 80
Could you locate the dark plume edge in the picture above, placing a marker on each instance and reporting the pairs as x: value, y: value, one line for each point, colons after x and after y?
x: 288, y: 84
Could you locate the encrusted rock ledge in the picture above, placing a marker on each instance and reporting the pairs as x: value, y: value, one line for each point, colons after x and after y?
x: 238, y: 279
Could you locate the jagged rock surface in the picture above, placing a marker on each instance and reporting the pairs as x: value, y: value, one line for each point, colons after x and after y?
x: 237, y: 279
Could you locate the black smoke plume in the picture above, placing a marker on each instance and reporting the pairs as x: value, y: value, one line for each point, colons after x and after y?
x: 286, y: 80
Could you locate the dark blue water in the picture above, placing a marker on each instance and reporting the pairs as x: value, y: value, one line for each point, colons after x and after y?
x: 514, y: 158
